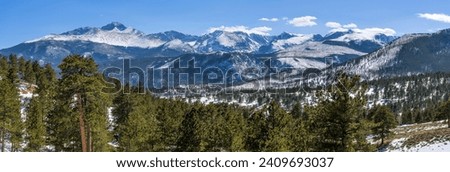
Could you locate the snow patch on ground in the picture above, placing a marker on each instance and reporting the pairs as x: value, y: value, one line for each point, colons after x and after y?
x: 423, y: 137
x: 443, y: 146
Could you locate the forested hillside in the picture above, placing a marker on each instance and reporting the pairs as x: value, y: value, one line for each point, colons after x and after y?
x: 72, y: 113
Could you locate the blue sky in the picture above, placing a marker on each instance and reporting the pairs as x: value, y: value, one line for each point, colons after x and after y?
x: 22, y: 20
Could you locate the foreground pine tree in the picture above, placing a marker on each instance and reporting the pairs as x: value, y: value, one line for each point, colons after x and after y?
x: 136, y: 123
x: 339, y: 122
x: 36, y: 132
x: 236, y: 127
x: 170, y: 114
x: 257, y: 131
x: 10, y: 120
x: 384, y: 121
x: 279, y: 125
x: 189, y: 140
x: 301, y: 131
x: 81, y: 108
x: 11, y: 125
x: 444, y: 112
x: 39, y: 108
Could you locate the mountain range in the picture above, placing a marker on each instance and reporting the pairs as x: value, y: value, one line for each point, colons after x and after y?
x: 370, y: 54
x: 116, y: 41
x: 410, y: 54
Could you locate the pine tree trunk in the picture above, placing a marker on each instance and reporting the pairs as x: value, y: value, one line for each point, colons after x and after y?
x: 90, y: 146
x: 82, y: 126
x: 13, y: 147
x: 2, y: 136
x: 448, y: 120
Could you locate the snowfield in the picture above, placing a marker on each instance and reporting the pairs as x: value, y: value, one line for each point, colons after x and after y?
x: 425, y: 137
x: 443, y: 146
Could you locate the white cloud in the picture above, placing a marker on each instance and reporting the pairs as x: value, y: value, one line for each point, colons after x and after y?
x: 436, y: 17
x: 269, y: 19
x: 336, y: 25
x: 285, y: 18
x: 333, y: 25
x: 350, y: 26
x: 256, y: 30
x: 303, y: 21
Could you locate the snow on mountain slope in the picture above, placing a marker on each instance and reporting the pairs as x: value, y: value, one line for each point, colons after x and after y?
x: 317, y: 50
x: 117, y: 34
x: 116, y: 41
x: 224, y: 41
x: 218, y: 40
x: 281, y: 44
x: 112, y: 34
x: 179, y: 45
x: 229, y: 40
x: 302, y: 63
x: 373, y: 63
x: 396, y: 56
x: 365, y: 34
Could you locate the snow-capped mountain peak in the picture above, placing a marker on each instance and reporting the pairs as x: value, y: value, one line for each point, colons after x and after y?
x: 114, y: 25
x: 230, y: 41
x: 291, y: 39
x: 379, y: 35
x: 112, y: 41
x: 82, y: 31
x: 173, y: 35
x: 285, y: 35
x: 114, y: 33
x: 236, y: 39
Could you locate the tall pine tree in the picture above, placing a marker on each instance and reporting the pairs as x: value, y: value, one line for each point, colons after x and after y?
x: 39, y: 108
x: 80, y: 103
x: 257, y: 131
x: 339, y: 122
x: 237, y: 127
x: 170, y: 115
x: 11, y: 125
x: 384, y: 120
x: 279, y: 125
x: 136, y: 123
